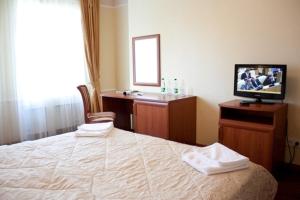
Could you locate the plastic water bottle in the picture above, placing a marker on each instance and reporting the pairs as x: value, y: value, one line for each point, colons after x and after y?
x: 175, y: 86
x: 163, y: 86
x: 182, y: 88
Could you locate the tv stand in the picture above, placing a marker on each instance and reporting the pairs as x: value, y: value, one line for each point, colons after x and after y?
x: 257, y: 131
x: 255, y: 101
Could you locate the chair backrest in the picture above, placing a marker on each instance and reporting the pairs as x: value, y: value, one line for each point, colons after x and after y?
x: 86, y: 100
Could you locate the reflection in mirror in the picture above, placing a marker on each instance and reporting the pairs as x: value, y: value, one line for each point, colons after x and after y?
x: 146, y: 60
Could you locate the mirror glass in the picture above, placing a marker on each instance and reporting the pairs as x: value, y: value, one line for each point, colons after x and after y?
x: 146, y: 60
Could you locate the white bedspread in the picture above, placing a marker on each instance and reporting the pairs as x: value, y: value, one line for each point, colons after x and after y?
x: 123, y: 165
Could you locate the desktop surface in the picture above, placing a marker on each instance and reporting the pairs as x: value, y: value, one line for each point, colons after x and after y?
x: 156, y: 97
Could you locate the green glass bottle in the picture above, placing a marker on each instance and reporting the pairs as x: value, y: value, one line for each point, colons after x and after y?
x: 175, y: 86
x: 163, y: 86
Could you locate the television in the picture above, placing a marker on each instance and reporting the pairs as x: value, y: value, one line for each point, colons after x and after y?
x: 260, y: 81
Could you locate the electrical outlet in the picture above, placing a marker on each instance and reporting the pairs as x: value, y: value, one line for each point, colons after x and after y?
x: 293, y: 141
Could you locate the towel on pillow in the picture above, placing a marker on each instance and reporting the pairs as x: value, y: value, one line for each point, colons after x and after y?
x: 215, y: 159
x: 94, y: 130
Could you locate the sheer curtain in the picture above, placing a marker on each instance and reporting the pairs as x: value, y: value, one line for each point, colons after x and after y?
x: 46, y: 65
x: 9, y: 123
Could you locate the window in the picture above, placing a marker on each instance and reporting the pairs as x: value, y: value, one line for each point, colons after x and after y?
x: 42, y: 62
x: 49, y: 50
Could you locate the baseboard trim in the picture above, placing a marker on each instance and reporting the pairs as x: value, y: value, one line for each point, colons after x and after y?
x: 293, y: 167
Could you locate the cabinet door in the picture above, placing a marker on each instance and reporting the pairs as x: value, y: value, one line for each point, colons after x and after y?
x: 151, y: 118
x: 257, y: 145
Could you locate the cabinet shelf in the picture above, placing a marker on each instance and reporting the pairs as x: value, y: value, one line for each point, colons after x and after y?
x: 260, y: 117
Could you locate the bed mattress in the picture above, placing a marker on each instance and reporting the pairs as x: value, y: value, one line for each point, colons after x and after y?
x: 124, y: 165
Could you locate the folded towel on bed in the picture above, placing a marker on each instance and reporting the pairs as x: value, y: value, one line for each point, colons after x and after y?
x: 215, y: 159
x: 80, y: 133
x: 94, y: 130
x: 96, y: 126
x: 223, y: 155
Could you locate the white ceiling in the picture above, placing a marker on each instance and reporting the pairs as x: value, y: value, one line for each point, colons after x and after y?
x: 113, y: 3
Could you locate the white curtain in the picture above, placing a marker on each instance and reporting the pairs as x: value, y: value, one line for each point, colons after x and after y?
x: 9, y: 123
x: 43, y: 62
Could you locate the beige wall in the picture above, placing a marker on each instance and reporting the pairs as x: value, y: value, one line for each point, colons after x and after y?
x: 107, y: 48
x: 114, y: 56
x: 122, y: 57
x: 202, y: 40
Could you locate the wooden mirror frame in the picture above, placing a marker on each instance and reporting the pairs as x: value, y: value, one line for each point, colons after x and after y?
x: 157, y: 82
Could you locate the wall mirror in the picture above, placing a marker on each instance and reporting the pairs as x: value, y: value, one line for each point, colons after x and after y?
x: 146, y: 60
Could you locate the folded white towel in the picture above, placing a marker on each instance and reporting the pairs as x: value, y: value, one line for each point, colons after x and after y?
x: 223, y: 155
x: 94, y: 130
x: 80, y: 133
x: 96, y: 127
x: 215, y: 159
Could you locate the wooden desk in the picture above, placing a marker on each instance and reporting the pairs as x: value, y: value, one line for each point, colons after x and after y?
x: 166, y: 116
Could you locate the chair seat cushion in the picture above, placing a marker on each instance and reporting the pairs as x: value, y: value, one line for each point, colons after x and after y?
x: 102, y: 114
x: 100, y: 120
x: 101, y: 117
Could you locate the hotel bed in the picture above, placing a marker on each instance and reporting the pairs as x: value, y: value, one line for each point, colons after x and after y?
x: 124, y: 165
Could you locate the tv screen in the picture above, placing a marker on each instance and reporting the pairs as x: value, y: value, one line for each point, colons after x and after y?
x: 260, y: 81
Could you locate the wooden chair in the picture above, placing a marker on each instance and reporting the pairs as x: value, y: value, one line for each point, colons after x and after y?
x: 90, y: 117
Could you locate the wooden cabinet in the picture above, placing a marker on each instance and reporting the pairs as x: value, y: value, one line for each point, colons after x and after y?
x: 173, y: 120
x: 257, y: 131
x: 165, y: 116
x: 151, y: 118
